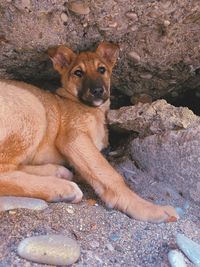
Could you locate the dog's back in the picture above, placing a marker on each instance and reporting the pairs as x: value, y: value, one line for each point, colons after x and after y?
x: 22, y: 122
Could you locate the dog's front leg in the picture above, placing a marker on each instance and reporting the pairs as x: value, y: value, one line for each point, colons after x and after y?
x: 108, y: 184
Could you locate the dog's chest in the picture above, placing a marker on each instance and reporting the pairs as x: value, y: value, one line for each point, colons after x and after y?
x: 99, y: 132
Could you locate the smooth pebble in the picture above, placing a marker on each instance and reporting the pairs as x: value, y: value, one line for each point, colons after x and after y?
x: 134, y: 56
x: 64, y: 17
x: 79, y: 7
x: 180, y: 211
x: 11, y: 203
x: 190, y: 248
x: 186, y: 205
x: 110, y: 247
x: 114, y: 237
x: 132, y: 15
x: 50, y: 249
x: 146, y: 76
x: 176, y: 259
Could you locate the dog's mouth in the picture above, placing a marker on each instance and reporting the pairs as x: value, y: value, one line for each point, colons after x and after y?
x: 98, y: 102
x: 93, y: 100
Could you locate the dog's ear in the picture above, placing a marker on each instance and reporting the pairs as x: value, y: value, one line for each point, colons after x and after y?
x: 61, y: 57
x: 109, y: 52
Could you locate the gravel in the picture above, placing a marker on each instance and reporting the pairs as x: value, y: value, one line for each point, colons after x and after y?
x: 106, y: 237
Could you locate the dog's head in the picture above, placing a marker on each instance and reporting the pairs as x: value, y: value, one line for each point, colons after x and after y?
x: 86, y: 75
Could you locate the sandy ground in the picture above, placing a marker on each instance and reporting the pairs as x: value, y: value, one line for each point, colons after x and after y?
x: 107, y: 237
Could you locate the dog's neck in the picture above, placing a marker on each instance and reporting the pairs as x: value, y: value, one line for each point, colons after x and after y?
x: 62, y: 92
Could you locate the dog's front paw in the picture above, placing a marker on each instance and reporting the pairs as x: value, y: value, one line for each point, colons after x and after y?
x: 138, y: 208
x: 157, y: 214
x: 65, y: 191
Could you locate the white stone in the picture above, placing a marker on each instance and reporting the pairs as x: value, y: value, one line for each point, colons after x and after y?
x: 11, y: 203
x: 50, y: 249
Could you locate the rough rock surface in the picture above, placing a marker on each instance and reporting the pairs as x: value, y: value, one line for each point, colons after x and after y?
x: 154, y: 118
x: 159, y: 40
x: 167, y: 148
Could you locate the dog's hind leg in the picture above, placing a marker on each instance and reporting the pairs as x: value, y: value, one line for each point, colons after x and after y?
x: 49, y: 188
x: 47, y: 170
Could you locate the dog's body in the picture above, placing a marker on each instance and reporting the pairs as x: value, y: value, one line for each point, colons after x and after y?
x: 40, y: 131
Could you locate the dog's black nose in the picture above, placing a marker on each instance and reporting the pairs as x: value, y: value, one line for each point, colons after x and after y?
x: 98, y: 91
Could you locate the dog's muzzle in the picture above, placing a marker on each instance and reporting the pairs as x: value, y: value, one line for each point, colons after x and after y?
x: 97, y: 92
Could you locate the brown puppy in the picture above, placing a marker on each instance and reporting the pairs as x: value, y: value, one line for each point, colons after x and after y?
x: 40, y: 131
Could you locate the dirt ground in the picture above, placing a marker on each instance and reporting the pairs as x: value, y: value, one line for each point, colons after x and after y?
x: 106, y: 237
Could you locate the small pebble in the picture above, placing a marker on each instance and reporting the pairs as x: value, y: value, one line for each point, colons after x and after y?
x: 64, y: 17
x: 190, y: 248
x: 180, y: 211
x: 94, y: 244
x: 114, y: 237
x: 11, y: 203
x: 134, y: 28
x: 91, y: 202
x: 79, y: 7
x: 113, y: 153
x: 49, y: 249
x: 132, y: 16
x: 146, y: 76
x: 176, y: 259
x: 166, y: 23
x: 12, y: 212
x: 110, y: 247
x: 186, y: 205
x: 113, y: 24
x: 70, y: 209
x: 26, y: 3
x: 134, y: 57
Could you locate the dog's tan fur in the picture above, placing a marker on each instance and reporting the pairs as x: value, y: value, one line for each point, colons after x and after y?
x: 40, y: 131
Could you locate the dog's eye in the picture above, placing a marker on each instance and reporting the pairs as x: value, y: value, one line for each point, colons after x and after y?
x: 101, y: 70
x: 78, y: 73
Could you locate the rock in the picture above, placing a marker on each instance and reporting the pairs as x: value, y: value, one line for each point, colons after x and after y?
x: 166, y: 23
x: 146, y: 76
x: 49, y: 249
x: 23, y: 55
x: 94, y: 244
x: 135, y: 58
x: 167, y: 147
x: 176, y: 259
x: 10, y: 203
x: 132, y: 16
x: 114, y: 237
x: 64, y: 17
x: 134, y: 28
x: 190, y: 248
x: 70, y: 209
x: 180, y: 211
x: 79, y: 7
x: 171, y: 156
x: 110, y: 247
x: 151, y: 118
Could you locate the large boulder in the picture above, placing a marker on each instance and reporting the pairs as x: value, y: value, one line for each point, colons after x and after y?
x: 167, y: 148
